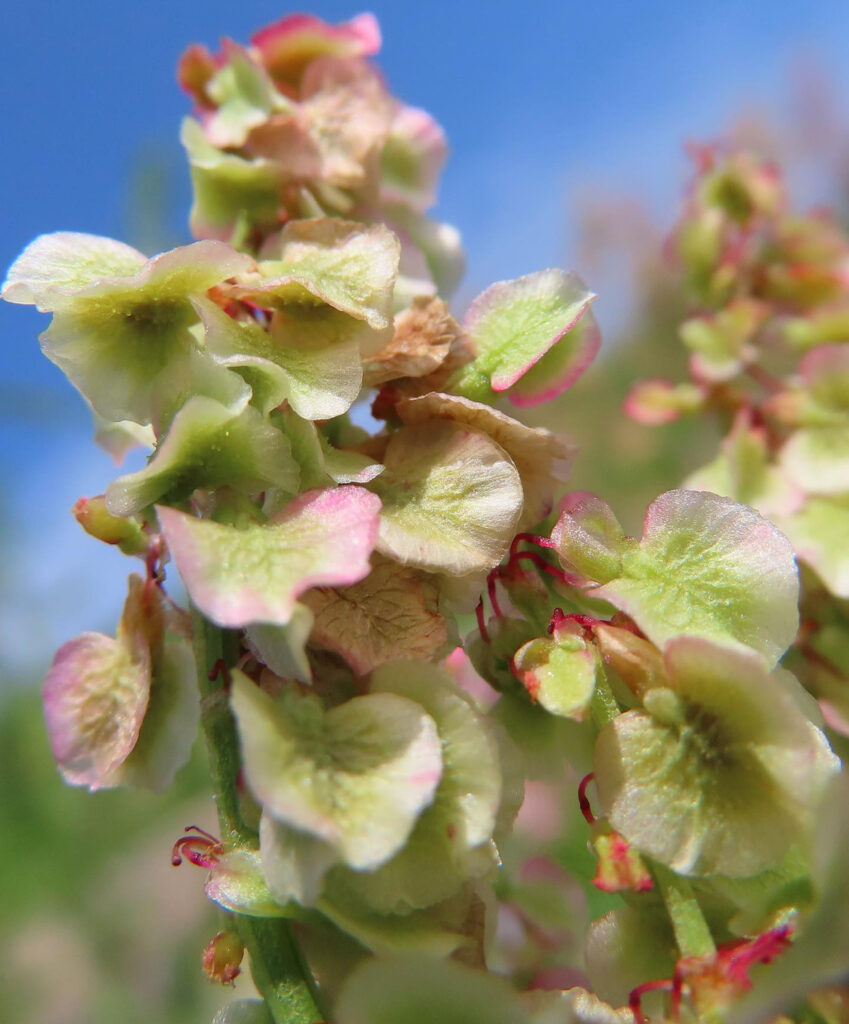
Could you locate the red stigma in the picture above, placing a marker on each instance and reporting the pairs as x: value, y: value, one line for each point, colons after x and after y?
x: 202, y: 849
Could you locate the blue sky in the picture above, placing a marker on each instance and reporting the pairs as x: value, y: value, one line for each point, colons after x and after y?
x: 539, y: 100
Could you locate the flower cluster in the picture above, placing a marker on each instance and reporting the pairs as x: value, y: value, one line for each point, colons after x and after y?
x: 769, y: 357
x: 366, y: 796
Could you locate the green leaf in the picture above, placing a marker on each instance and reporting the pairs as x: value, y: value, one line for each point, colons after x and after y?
x: 711, y: 568
x: 255, y: 574
x: 451, y: 499
x: 356, y: 776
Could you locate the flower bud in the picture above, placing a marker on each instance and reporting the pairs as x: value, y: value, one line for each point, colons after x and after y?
x: 222, y: 957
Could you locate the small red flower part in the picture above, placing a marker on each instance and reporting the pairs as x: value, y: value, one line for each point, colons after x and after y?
x: 620, y: 867
x: 713, y: 982
x: 221, y: 958
x: 201, y: 848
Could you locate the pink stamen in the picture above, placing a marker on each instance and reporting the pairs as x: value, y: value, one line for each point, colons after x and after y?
x: 584, y: 801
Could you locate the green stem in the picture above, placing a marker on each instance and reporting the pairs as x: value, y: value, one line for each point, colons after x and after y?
x: 688, y: 922
x: 277, y: 966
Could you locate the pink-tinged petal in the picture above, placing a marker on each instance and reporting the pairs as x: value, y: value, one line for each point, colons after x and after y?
x: 194, y: 70
x: 413, y: 157
x: 656, y: 401
x: 241, y: 576
x: 289, y: 45
x: 710, y: 568
x: 513, y: 324
x: 95, y: 696
x: 559, y: 368
x: 588, y: 537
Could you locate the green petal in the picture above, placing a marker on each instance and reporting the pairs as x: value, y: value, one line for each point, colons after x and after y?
x: 242, y: 576
x: 122, y: 341
x: 711, y: 568
x: 356, y: 777
x: 745, y: 472
x: 820, y: 533
x: 588, y: 537
x: 451, y: 841
x: 283, y: 648
x: 542, y: 458
x: 95, y: 696
x: 817, y: 459
x: 294, y: 863
x: 343, y: 264
x: 722, y: 771
x: 208, y: 446
x: 244, y: 1011
x: 170, y: 723
x: 310, y: 359
x: 452, y: 498
x: 559, y: 674
x: 228, y: 190
x: 55, y: 266
x: 236, y: 883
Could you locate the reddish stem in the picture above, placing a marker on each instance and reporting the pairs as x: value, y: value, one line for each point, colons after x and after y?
x: 584, y: 801
x: 491, y: 581
x: 636, y: 996
x: 481, y: 622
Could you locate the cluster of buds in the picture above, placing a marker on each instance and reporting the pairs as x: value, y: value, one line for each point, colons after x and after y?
x: 330, y: 570
x: 300, y: 124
